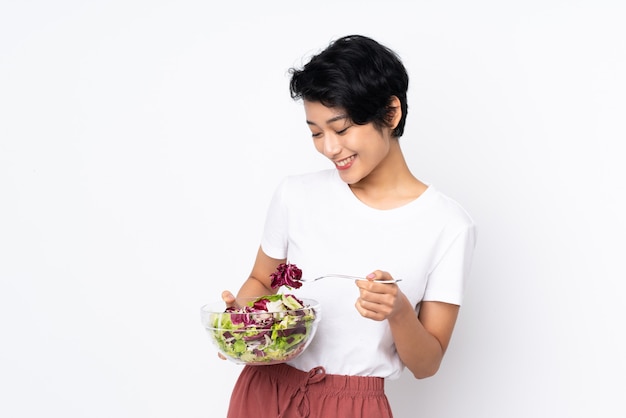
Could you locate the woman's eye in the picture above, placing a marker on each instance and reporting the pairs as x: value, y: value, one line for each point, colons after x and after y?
x: 343, y: 131
x: 316, y: 134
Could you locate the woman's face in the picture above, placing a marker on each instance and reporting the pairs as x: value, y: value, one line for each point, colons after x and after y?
x: 356, y: 150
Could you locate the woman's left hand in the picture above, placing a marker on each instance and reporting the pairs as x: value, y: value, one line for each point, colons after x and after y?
x: 378, y: 301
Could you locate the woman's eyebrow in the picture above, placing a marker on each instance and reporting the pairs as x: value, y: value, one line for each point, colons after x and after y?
x: 329, y: 121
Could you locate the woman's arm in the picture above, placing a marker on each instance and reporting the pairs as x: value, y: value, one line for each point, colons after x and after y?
x: 259, y: 282
x: 422, y: 341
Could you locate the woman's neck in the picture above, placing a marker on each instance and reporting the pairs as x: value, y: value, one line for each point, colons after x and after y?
x: 391, y: 184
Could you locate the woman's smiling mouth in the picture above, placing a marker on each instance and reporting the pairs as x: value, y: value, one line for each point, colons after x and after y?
x: 345, y: 163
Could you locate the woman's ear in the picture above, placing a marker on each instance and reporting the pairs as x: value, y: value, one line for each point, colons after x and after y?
x: 394, y: 112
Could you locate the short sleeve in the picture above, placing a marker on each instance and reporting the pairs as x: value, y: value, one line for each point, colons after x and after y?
x: 275, y: 236
x: 447, y: 281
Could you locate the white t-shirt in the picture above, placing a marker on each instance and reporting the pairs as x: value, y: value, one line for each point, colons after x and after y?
x: 317, y: 223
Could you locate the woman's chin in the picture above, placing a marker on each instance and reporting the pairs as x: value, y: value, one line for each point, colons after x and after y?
x: 349, y: 178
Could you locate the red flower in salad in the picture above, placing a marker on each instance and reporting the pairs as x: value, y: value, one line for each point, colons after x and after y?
x: 287, y: 275
x: 260, y: 304
x: 249, y: 316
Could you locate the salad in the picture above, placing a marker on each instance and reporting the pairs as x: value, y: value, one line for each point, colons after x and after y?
x: 287, y: 275
x: 269, y: 329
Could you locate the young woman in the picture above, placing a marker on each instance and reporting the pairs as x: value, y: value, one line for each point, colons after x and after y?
x: 367, y: 215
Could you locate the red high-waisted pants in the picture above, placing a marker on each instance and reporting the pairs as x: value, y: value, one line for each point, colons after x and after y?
x: 281, y: 391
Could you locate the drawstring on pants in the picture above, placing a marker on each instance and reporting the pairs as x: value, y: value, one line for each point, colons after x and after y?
x: 315, y: 375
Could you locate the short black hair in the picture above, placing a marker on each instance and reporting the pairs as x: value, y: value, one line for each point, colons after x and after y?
x: 357, y: 74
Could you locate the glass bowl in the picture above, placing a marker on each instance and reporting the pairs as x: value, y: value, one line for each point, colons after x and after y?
x: 262, y: 338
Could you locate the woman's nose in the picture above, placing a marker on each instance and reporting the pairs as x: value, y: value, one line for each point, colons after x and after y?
x: 332, y: 147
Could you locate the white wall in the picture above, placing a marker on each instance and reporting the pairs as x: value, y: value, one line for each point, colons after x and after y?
x: 140, y: 142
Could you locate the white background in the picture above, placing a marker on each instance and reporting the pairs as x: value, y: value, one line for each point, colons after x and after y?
x: 140, y: 142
